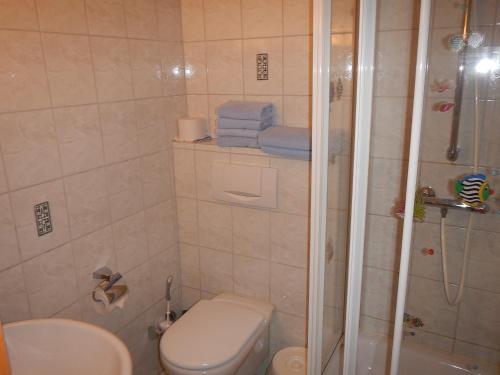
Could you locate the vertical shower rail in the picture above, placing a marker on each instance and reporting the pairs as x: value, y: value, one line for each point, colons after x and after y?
x: 411, y: 182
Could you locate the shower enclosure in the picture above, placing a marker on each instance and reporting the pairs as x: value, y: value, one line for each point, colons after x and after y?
x: 410, y: 213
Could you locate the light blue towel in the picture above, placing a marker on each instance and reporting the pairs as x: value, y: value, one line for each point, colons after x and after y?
x: 231, y: 123
x: 227, y: 141
x: 249, y: 133
x: 288, y: 153
x: 285, y: 137
x: 246, y: 110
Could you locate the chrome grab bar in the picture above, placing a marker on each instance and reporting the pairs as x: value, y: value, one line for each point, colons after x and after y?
x: 430, y: 199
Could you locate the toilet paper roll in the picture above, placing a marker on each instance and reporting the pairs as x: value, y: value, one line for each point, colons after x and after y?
x: 191, y: 129
x: 103, y: 301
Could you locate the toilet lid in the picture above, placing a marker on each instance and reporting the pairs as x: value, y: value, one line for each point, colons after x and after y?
x: 210, y: 334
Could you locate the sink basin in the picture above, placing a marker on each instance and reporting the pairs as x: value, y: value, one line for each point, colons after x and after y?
x: 64, y: 347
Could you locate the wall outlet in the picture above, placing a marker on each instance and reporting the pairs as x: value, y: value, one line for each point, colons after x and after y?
x: 262, y: 66
x: 42, y: 218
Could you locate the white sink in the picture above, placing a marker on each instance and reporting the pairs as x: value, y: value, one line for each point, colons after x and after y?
x: 64, y: 347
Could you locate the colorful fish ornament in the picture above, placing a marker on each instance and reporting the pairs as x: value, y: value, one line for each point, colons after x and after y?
x: 473, y: 189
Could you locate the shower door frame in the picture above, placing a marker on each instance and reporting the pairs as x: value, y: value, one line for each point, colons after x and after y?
x: 365, y: 33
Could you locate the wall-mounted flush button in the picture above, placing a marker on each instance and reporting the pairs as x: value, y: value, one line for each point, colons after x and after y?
x: 42, y: 218
x: 262, y: 66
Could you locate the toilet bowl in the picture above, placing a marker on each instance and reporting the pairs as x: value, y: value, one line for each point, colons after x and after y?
x: 227, y: 335
x: 290, y: 361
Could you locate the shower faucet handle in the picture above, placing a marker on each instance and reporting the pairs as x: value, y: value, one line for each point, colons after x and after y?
x: 428, y: 191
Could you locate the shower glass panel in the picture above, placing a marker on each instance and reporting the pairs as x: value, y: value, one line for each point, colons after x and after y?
x: 453, y: 300
x: 339, y: 167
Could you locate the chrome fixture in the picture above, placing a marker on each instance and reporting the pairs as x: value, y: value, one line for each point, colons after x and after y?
x: 162, y: 325
x: 454, y: 149
x: 108, y: 280
x: 430, y: 199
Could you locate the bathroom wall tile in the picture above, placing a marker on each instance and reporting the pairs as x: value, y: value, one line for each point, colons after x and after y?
x: 298, y: 111
x: 193, y: 26
x: 140, y: 295
x: 151, y: 127
x: 274, y: 48
x: 476, y: 351
x: 29, y: 147
x: 19, y: 14
x: 224, y: 59
x: 162, y: 265
x: 215, y: 226
x: 123, y: 181
x: 293, y: 189
x: 289, y: 289
x: 187, y: 220
x: 343, y: 16
x: 251, y: 232
x: 23, y: 85
x: 65, y: 16
x: 251, y: 277
x: 383, y: 239
x: 3, y: 178
x: 111, y: 321
x: 297, y: 61
x: 216, y: 271
x: 14, y: 303
x: 478, y: 319
x: 197, y: 106
x: 156, y: 178
x: 287, y: 330
x: 161, y: 227
x: 238, y: 156
x: 141, y: 21
x: 106, y: 17
x: 69, y: 69
x: 196, y: 67
x: 393, y: 60
x: 8, y: 240
x: 146, y: 68
x: 23, y: 202
x: 190, y: 265
x: 341, y: 62
x: 204, y: 161
x: 379, y: 293
x: 426, y: 300
x: 92, y: 252
x: 169, y: 20
x: 119, y: 131
x: 289, y: 239
x: 432, y: 341
x: 79, y: 136
x: 51, y: 281
x: 72, y: 312
x: 222, y: 19
x: 131, y: 245
x: 172, y: 62
x: 185, y: 177
x: 88, y: 205
x: 112, y: 68
x: 297, y: 17
x: 262, y: 18
x: 189, y: 297
x: 398, y: 15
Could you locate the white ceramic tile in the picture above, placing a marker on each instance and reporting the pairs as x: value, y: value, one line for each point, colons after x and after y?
x: 29, y: 147
x: 162, y: 265
x: 187, y: 220
x: 398, y: 15
x: 140, y: 293
x: 19, y: 14
x: 66, y: 16
x: 195, y: 68
x: 251, y: 277
x: 251, y: 233
x: 197, y: 106
x: 8, y: 241
x: 383, y: 239
x: 173, y: 72
x: 151, y: 125
x: 379, y: 293
x: 289, y: 239
x: 146, y: 68
x: 189, y: 297
x: 169, y: 20
x: 287, y: 330
x: 224, y: 59
x: 341, y: 62
x: 23, y: 202
x: 161, y: 227
x: 262, y: 18
x: 297, y: 17
x: 156, y: 178
x: 289, y: 289
x: 190, y: 265
x: 79, y: 137
x: 184, y: 173
x: 222, y: 19
x: 193, y: 26
x: 343, y: 16
x: 298, y: 111
x: 106, y: 17
x: 216, y: 271
x: 14, y: 303
x: 25, y: 86
x: 297, y: 65
x: 141, y: 21
x: 51, y: 281
x: 204, y: 161
x: 476, y: 351
x: 131, y: 245
x: 215, y: 226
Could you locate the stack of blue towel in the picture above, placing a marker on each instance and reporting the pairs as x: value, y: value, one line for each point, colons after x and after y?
x: 288, y: 142
x: 240, y: 123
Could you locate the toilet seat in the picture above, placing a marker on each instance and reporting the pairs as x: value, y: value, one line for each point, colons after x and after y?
x: 212, y: 335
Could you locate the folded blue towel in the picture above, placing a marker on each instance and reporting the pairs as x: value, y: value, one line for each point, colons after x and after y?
x: 288, y: 152
x: 227, y: 141
x: 238, y: 133
x: 246, y: 110
x: 285, y: 137
x: 231, y: 123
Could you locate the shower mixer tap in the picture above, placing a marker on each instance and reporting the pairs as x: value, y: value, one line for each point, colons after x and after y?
x: 430, y: 199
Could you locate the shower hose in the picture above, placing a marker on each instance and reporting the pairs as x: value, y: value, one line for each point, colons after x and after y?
x: 458, y: 297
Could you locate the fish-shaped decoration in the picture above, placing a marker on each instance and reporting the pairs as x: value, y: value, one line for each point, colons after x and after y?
x: 473, y: 189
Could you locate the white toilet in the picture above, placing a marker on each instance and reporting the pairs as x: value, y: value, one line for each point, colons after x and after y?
x: 227, y: 335
x: 290, y: 361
